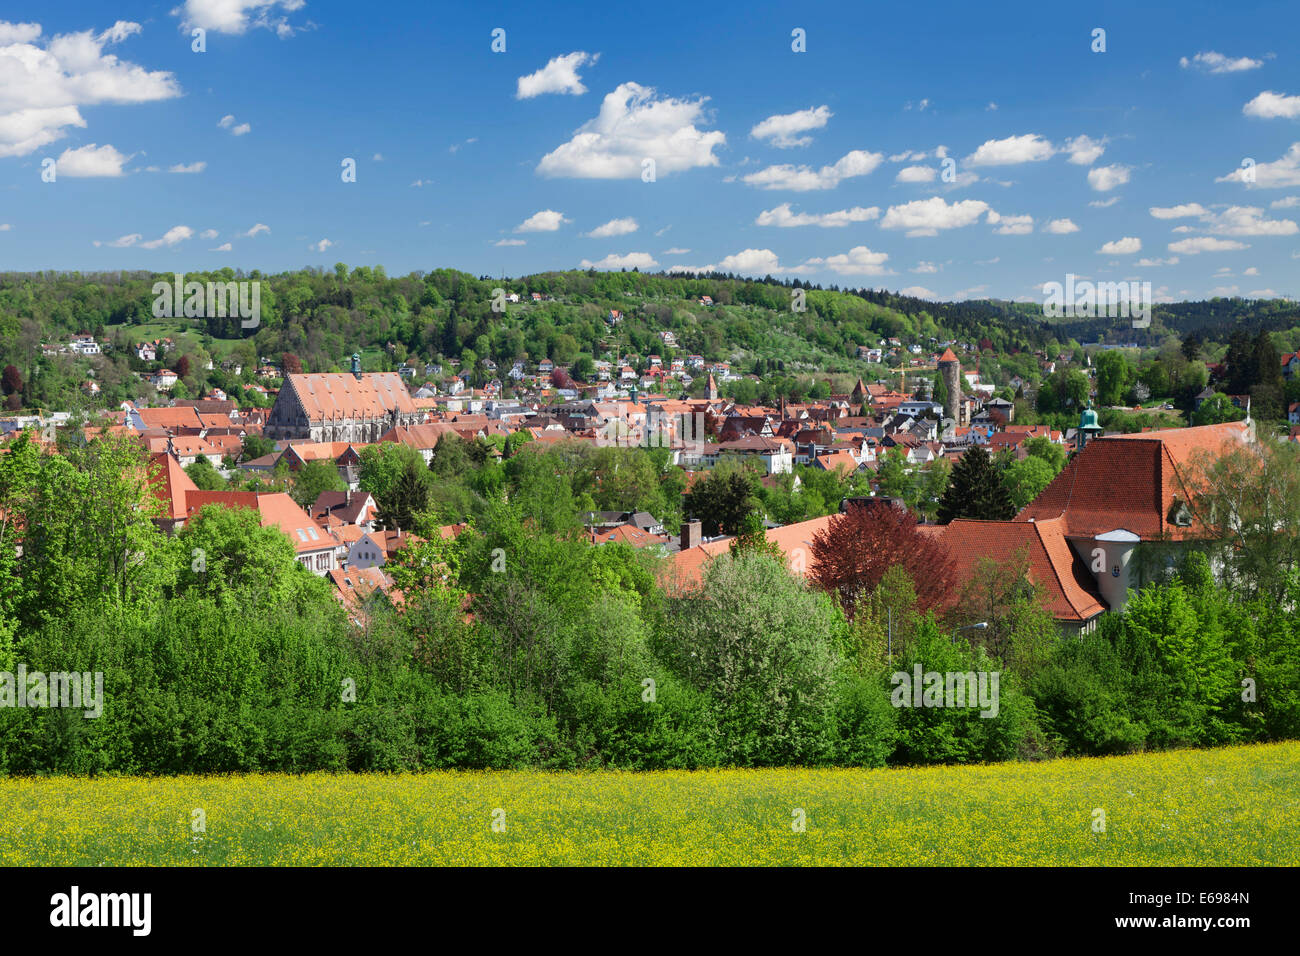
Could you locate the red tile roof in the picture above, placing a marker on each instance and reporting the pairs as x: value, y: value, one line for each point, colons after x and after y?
x: 325, y: 395
x: 687, y: 567
x: 274, y: 509
x: 1131, y: 481
x: 1070, y: 589
x: 171, y: 485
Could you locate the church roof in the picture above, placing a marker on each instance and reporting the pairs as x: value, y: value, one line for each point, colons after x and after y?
x: 333, y: 395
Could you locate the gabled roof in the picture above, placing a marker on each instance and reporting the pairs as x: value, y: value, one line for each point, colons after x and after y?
x: 330, y: 395
x: 183, y: 417
x: 171, y: 484
x: 1070, y: 589
x: 274, y: 509
x: 421, y: 437
x: 1131, y: 482
x: 687, y: 567
x: 840, y: 461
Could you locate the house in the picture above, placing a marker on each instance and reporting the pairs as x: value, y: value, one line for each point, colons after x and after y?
x: 84, y: 345
x: 349, y: 507
x: 374, y: 549
x: 145, y: 352
x: 190, y: 448
x: 686, y: 569
x: 706, y: 300
x: 341, y: 453
x: 423, y: 438
x: 163, y: 379
x: 1293, y: 413
x: 313, y: 546
x: 838, y: 461
x: 1123, y: 505
x: 1290, y: 365
x: 358, y: 587
x: 776, y: 454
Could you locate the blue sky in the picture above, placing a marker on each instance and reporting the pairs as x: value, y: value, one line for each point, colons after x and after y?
x: 827, y: 164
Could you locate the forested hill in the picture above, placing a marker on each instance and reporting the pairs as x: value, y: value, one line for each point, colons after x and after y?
x: 324, y: 316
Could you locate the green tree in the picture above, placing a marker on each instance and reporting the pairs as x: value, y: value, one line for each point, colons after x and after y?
x: 976, y: 490
x: 313, y: 478
x: 1114, y: 374
x: 721, y: 501
x: 764, y: 649
x: 205, y: 475
x: 1026, y: 478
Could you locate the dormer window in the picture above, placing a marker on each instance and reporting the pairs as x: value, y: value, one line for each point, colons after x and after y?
x: 1179, y: 514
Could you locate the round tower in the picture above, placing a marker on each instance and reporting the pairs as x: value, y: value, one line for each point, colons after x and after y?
x: 950, y: 369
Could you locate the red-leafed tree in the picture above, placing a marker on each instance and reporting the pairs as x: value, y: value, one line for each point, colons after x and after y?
x: 561, y: 379
x: 290, y: 364
x: 851, y: 555
x: 12, y: 380
x: 183, y: 366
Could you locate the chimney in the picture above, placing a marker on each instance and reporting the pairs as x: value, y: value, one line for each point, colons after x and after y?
x: 690, y: 535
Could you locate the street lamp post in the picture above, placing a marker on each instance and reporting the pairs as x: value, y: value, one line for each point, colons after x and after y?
x: 980, y: 626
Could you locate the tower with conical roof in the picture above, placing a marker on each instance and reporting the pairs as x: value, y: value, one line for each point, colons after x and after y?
x: 950, y: 370
x: 713, y: 388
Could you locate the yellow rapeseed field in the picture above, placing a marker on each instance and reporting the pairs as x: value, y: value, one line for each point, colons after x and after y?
x: 1230, y: 806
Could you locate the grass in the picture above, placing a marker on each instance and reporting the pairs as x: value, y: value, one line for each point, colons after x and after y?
x: 1237, y: 806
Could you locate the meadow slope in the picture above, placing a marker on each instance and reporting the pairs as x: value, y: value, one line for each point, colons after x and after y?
x: 1237, y: 806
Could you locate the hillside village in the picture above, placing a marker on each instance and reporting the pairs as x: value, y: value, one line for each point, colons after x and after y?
x: 334, y: 417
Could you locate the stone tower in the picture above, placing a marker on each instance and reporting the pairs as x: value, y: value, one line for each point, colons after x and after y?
x: 712, y: 388
x: 950, y: 369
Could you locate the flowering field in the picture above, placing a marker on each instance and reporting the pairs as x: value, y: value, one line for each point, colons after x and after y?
x: 1231, y: 806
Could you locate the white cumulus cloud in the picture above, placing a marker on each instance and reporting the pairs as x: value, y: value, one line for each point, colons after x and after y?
x: 1270, y: 105
x: 1029, y: 148
x: 174, y: 235
x: 634, y: 125
x: 546, y: 220
x: 1200, y: 244
x: 1084, y: 151
x: 783, y: 129
x: 633, y: 260
x: 926, y: 217
x: 89, y: 161
x: 1105, y: 178
x: 238, y: 16
x: 559, y: 75
x: 1122, y: 247
x: 857, y: 162
x: 1061, y: 227
x: 783, y: 216
x: 858, y: 261
x: 1281, y: 172
x: 615, y: 227
x: 1212, y: 62
x: 915, y: 174
x: 236, y: 129
x: 44, y: 86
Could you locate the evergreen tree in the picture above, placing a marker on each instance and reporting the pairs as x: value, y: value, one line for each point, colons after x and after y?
x: 1266, y: 388
x: 976, y: 490
x: 1240, y: 359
